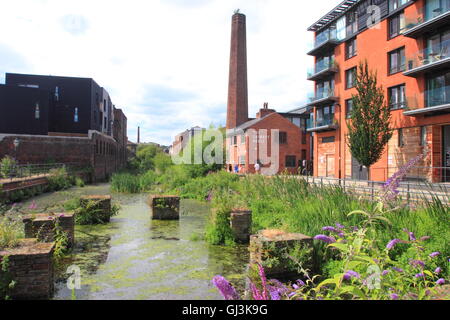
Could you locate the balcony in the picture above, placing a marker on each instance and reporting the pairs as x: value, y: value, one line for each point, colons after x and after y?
x: 323, y: 70
x: 428, y: 18
x: 437, y: 102
x: 323, y: 97
x: 428, y: 60
x: 324, y: 42
x: 327, y: 123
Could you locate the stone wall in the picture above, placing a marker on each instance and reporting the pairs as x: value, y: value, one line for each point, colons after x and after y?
x: 30, y: 265
x: 241, y: 224
x: 103, y: 205
x: 165, y: 207
x: 43, y: 226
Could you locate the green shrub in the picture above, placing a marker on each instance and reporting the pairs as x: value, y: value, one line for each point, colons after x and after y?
x: 7, y: 165
x: 59, y: 179
x: 11, y: 231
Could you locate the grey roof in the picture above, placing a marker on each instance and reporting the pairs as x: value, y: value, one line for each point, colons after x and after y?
x: 300, y: 110
x: 248, y: 124
x: 337, y: 12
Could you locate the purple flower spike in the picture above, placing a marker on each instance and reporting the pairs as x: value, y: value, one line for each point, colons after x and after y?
x: 435, y: 254
x: 420, y: 275
x: 351, y: 274
x: 331, y: 229
x: 412, y: 237
x: 397, y: 269
x: 392, y: 244
x: 417, y: 263
x: 438, y: 270
x: 340, y: 226
x: 325, y: 238
x: 394, y: 296
x: 225, y: 288
x: 440, y: 282
x: 385, y: 272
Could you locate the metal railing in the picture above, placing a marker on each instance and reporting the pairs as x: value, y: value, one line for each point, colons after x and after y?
x: 321, y: 65
x: 429, y: 55
x: 411, y: 192
x: 35, y: 170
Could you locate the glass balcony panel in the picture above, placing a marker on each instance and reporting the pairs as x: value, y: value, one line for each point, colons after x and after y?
x: 432, y: 10
x: 325, y: 36
x: 435, y: 52
x: 437, y: 96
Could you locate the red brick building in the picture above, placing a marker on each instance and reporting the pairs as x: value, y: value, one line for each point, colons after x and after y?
x: 251, y: 140
x: 408, y: 44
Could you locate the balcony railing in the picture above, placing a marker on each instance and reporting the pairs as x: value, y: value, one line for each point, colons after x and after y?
x: 324, y: 96
x: 428, y: 59
x: 323, y: 69
x: 433, y: 101
x: 325, y: 40
x: 430, y: 16
x: 326, y: 123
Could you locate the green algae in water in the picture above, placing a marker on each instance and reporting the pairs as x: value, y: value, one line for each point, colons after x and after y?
x: 136, y: 258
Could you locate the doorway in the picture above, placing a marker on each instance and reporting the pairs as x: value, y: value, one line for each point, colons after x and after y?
x: 446, y: 153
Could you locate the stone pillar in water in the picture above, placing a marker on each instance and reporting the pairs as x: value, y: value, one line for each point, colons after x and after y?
x: 241, y: 224
x: 165, y: 207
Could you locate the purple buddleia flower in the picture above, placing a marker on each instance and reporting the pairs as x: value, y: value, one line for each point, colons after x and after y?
x: 255, y: 292
x: 412, y: 237
x: 440, y: 282
x: 351, y: 274
x: 397, y: 269
x: 420, y: 275
x: 331, y: 229
x: 225, y: 288
x: 325, y: 238
x: 262, y: 275
x: 210, y: 196
x: 417, y: 263
x: 394, y: 296
x: 435, y: 254
x: 438, y: 270
x: 340, y: 226
x: 385, y: 273
x: 298, y: 284
x: 275, y: 293
x: 392, y: 184
x: 392, y: 243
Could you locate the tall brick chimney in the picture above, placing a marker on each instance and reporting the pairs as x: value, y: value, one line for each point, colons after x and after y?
x: 237, y: 111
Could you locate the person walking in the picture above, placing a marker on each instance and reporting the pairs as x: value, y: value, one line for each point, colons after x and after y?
x: 257, y: 167
x: 236, y: 169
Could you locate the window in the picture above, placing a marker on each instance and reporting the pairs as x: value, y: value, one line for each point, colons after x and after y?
x: 303, y: 137
x: 37, y: 113
x: 324, y: 89
x: 348, y: 108
x: 283, y: 137
x: 75, y: 116
x: 423, y: 136
x: 340, y: 28
x: 235, y: 140
x: 401, y: 143
x: 438, y: 90
x: 290, y: 161
x: 350, y: 78
x: 397, y: 61
x: 350, y: 48
x: 328, y: 139
x: 396, y: 25
x: 352, y: 23
x: 324, y: 116
x: 397, y: 99
x: 395, y: 4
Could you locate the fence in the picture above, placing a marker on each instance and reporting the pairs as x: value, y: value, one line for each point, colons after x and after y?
x: 35, y: 170
x: 409, y: 191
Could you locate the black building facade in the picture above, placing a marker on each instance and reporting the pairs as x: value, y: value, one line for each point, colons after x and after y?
x: 74, y: 105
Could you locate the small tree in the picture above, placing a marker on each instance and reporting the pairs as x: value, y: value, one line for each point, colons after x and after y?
x: 369, y: 124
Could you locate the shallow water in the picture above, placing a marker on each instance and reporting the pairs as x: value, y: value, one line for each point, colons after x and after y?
x: 134, y: 257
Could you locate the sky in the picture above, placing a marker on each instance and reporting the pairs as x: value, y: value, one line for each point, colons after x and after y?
x: 164, y: 62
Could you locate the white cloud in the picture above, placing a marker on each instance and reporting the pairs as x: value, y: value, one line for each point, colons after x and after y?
x: 165, y: 63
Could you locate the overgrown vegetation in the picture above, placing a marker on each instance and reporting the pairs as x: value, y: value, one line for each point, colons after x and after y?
x: 89, y: 212
x: 7, y: 164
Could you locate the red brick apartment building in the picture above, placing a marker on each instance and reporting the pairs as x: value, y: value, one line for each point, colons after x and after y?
x: 247, y: 135
x: 409, y: 48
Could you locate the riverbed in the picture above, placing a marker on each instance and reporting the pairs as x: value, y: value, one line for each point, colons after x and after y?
x: 135, y: 258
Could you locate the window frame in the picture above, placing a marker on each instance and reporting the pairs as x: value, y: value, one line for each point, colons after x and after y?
x: 398, y: 18
x: 347, y: 111
x: 401, y: 141
x: 402, y: 104
x: 350, y: 54
x: 347, y: 72
x: 288, y: 164
x: 283, y: 137
x: 400, y: 52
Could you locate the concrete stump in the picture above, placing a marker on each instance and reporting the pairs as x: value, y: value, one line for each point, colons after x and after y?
x: 103, y: 206
x: 270, y: 247
x: 241, y: 224
x: 30, y: 265
x: 43, y: 226
x: 165, y: 207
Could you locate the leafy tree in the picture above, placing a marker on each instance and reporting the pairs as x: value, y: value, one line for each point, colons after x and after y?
x: 369, y: 124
